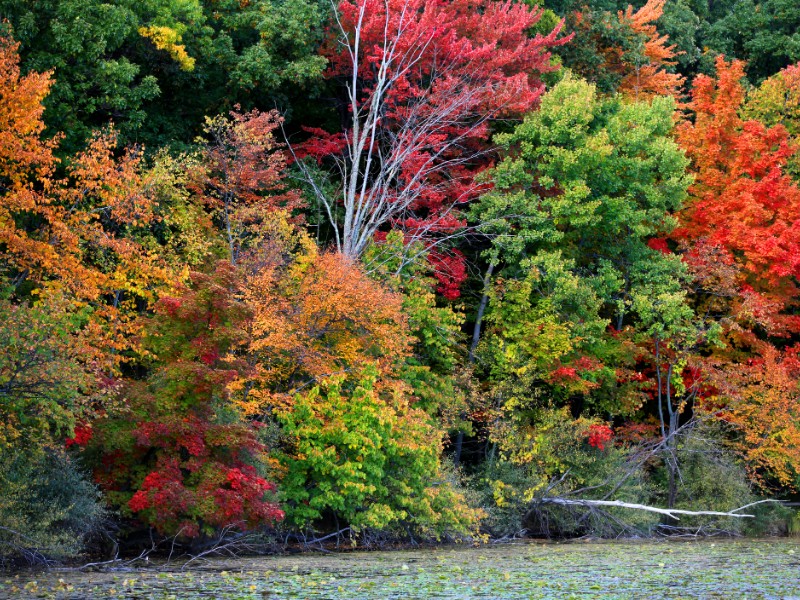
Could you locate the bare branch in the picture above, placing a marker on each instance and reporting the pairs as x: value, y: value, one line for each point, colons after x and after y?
x: 670, y: 512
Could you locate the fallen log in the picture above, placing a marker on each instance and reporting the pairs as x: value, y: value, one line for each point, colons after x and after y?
x: 670, y: 512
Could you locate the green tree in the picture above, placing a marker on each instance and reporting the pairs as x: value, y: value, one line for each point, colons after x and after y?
x: 88, y: 44
x: 765, y: 34
x: 589, y: 182
x: 47, y: 505
x: 433, y: 366
x: 367, y: 460
x: 591, y: 309
x: 156, y: 67
x: 46, y: 375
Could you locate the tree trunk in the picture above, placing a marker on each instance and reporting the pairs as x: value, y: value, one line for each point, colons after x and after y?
x: 476, y: 336
x: 476, y: 332
x: 459, y: 444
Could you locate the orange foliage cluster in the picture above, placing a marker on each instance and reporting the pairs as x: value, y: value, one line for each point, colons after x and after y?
x: 631, y: 49
x: 764, y: 405
x: 643, y: 81
x: 740, y: 230
x: 71, y: 232
x: 316, y: 316
x: 742, y: 202
x: 241, y: 175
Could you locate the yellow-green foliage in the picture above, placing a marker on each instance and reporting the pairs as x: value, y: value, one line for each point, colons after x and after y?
x: 551, y: 447
x: 368, y: 459
x: 794, y: 524
x: 169, y: 40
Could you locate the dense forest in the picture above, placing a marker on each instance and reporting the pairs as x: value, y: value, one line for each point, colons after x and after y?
x: 378, y: 271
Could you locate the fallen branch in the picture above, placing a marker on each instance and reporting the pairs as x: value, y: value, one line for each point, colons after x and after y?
x: 670, y: 512
x: 230, y: 541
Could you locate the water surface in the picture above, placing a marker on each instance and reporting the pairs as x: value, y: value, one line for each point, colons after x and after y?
x: 621, y: 569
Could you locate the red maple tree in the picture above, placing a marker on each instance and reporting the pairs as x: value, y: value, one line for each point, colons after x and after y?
x: 177, y: 454
x: 421, y: 81
x: 742, y: 204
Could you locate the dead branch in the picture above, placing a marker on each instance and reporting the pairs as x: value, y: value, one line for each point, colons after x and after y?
x: 29, y: 553
x: 669, y: 512
x: 230, y: 542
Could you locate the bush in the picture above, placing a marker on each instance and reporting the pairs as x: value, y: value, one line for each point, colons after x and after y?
x: 561, y: 456
x: 370, y: 462
x: 711, y: 478
x: 47, y: 506
x: 771, y: 519
x: 794, y: 523
x: 178, y: 456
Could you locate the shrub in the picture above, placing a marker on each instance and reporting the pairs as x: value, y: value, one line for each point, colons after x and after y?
x: 47, y: 505
x: 558, y: 456
x: 711, y: 478
x: 367, y: 460
x: 177, y: 455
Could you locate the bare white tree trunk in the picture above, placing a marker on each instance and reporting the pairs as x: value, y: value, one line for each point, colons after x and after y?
x: 670, y: 512
x: 376, y: 187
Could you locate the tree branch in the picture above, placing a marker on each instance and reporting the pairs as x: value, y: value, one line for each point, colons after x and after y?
x: 670, y: 512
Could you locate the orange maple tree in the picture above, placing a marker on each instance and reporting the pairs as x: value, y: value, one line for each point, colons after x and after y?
x: 74, y: 229
x: 762, y: 402
x: 241, y: 174
x: 740, y: 236
x: 625, y: 52
x: 742, y: 201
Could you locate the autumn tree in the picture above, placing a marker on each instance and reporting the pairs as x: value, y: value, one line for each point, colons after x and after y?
x: 624, y: 51
x: 241, y: 174
x: 761, y: 402
x: 420, y: 83
x: 60, y: 265
x: 648, y: 74
x: 739, y: 231
x: 25, y: 156
x: 176, y: 454
x: 70, y: 245
x: 79, y: 232
x: 368, y: 459
x: 315, y: 315
x: 742, y: 201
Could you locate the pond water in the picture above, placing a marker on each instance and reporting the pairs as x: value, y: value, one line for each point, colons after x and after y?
x: 620, y: 569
